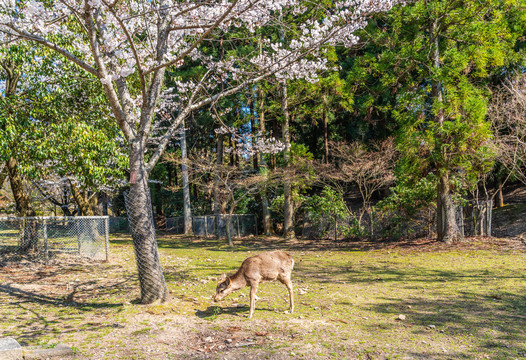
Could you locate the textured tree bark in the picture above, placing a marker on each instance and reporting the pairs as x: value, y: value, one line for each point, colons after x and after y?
x: 325, y: 130
x: 3, y: 175
x: 447, y: 228
x: 187, y: 209
x: 288, y: 210
x: 85, y: 203
x: 267, y: 226
x: 229, y: 222
x: 20, y: 195
x: 151, y: 278
x: 29, y: 239
x: 217, y: 182
x: 500, y: 195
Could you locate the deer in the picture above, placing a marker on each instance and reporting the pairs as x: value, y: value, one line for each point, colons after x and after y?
x: 267, y: 266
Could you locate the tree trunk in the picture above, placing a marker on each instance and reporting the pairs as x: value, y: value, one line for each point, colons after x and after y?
x: 229, y: 226
x: 267, y: 227
x: 176, y: 180
x: 151, y: 278
x: 254, y: 132
x: 82, y: 200
x: 229, y: 230
x: 447, y: 228
x: 288, y: 210
x: 325, y: 130
x: 20, y: 195
x: 3, y: 175
x: 217, y: 182
x: 187, y: 209
x: 500, y: 195
x: 29, y: 239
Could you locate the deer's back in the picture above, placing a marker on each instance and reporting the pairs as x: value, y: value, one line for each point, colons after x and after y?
x: 268, y: 266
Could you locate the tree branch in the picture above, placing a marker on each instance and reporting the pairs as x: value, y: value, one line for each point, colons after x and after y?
x: 194, y: 45
x: 26, y: 35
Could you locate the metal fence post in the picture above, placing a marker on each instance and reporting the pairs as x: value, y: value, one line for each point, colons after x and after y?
x: 107, y: 234
x: 46, y: 253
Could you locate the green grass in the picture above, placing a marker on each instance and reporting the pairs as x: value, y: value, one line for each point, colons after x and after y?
x: 459, y: 303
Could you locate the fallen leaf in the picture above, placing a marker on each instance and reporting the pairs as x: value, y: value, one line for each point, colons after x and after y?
x: 233, y: 329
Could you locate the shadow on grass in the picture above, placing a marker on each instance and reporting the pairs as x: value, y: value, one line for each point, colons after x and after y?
x: 326, y: 273
x: 261, y: 243
x: 30, y: 296
x: 38, y: 326
x: 494, y: 321
x: 32, y: 324
x: 212, y: 312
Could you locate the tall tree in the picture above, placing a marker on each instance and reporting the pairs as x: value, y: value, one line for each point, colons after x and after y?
x: 288, y: 201
x: 432, y: 60
x: 187, y: 208
x: 11, y: 66
x: 267, y: 225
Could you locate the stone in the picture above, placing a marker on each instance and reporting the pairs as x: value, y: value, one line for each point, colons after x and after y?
x: 39, y: 353
x: 10, y: 349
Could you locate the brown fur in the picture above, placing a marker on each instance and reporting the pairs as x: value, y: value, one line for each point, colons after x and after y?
x: 267, y: 266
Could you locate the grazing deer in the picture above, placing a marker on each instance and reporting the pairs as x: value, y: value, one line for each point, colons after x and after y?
x: 267, y: 266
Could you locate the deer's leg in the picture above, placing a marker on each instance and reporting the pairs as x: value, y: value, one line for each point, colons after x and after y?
x: 253, y: 290
x: 288, y: 284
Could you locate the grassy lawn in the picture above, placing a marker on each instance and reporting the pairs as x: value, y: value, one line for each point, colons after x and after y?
x: 353, y: 301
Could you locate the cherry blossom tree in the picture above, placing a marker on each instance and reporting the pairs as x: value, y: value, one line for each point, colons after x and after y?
x: 128, y: 45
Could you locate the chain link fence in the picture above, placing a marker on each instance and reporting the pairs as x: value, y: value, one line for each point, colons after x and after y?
x: 141, y: 223
x: 208, y: 225
x: 473, y: 219
x: 119, y: 224
x: 54, y: 239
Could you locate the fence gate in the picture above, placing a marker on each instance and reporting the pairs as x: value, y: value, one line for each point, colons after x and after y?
x: 50, y: 239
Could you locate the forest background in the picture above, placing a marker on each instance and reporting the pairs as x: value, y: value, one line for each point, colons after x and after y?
x: 424, y: 114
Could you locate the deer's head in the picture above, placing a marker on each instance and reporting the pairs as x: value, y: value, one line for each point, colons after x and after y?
x: 224, y: 287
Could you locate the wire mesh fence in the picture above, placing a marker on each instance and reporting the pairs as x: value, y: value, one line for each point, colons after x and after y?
x: 119, y: 224
x: 210, y: 225
x: 141, y: 223
x: 53, y: 239
x: 473, y: 219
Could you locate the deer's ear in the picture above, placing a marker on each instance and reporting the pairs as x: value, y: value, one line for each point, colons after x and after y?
x: 222, y: 278
x: 229, y: 280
